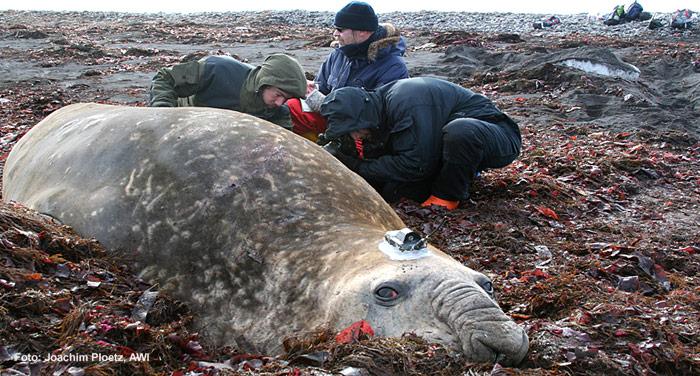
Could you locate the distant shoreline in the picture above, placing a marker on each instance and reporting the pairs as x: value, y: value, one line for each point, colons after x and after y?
x: 313, y: 12
x: 430, y: 21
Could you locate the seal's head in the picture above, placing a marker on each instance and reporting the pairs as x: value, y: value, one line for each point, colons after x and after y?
x: 426, y: 292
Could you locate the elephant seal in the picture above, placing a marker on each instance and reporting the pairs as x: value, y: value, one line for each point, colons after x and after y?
x: 261, y: 231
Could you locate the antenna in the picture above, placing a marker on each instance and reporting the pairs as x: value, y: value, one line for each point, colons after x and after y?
x: 424, y: 241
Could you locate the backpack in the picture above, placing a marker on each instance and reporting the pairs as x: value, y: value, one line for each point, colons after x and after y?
x: 617, y: 16
x: 633, y: 11
x: 681, y: 19
x: 619, y: 11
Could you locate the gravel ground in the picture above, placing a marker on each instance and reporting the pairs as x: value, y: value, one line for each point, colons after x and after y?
x: 519, y: 23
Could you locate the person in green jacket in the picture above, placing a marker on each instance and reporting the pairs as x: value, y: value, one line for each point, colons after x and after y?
x: 224, y: 82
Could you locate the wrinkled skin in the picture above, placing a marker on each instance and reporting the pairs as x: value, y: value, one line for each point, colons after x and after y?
x: 444, y: 302
x: 264, y: 233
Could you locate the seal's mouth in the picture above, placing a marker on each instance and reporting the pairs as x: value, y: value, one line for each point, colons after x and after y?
x: 478, y: 346
x: 484, y: 332
x: 508, y: 349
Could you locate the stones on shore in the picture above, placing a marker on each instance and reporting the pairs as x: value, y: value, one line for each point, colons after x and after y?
x: 496, y: 23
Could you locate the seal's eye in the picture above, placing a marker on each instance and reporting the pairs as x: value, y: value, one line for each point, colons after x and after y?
x: 386, y: 293
x: 390, y: 293
x: 487, y: 286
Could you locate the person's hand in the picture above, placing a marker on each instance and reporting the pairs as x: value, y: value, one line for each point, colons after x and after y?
x: 322, y: 139
x: 349, y: 161
x: 314, y: 100
x: 333, y: 148
x: 310, y: 86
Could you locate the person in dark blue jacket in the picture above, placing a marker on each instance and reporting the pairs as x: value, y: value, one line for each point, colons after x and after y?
x: 368, y: 55
x: 432, y: 137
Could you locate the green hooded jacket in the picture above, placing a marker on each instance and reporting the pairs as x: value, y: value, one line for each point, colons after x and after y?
x: 224, y: 82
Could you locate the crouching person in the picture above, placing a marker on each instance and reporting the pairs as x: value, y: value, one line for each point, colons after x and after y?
x: 224, y: 82
x: 434, y: 137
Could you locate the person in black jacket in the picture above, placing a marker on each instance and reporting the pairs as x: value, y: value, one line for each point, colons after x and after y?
x: 431, y: 137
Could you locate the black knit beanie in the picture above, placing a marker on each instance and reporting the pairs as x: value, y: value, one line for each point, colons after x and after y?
x: 357, y: 15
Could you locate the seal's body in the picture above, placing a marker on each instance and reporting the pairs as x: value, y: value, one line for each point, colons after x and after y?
x: 262, y: 231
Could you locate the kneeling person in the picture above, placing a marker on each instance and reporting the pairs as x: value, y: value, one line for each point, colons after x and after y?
x: 224, y: 82
x: 435, y: 137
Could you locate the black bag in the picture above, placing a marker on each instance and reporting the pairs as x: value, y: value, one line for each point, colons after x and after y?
x: 655, y: 24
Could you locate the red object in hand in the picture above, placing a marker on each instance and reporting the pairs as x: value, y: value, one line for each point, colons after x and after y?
x: 306, y: 124
x: 360, y: 147
x: 353, y: 332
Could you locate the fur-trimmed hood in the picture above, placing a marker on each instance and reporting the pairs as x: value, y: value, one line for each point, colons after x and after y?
x: 392, y: 38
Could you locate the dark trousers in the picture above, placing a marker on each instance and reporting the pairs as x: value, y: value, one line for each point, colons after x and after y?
x: 469, y: 146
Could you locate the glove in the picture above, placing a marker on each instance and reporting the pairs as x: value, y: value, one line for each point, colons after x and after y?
x: 344, y: 144
x: 314, y: 100
x: 333, y: 148
x: 322, y: 139
x: 350, y: 162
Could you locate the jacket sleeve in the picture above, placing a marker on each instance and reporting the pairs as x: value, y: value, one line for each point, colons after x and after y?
x: 323, y: 75
x: 409, y: 160
x: 396, y: 70
x: 282, y: 117
x: 169, y: 84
